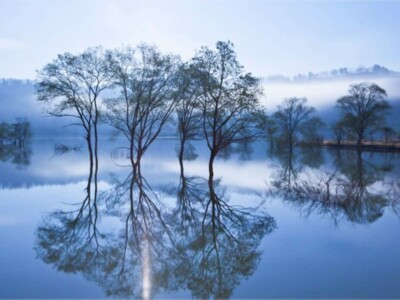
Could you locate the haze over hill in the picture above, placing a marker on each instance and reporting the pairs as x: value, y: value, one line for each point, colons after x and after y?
x: 373, y: 72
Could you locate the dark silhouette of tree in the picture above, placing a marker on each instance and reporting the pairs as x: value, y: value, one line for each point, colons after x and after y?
x: 364, y: 109
x: 290, y: 117
x: 339, y: 131
x: 15, y: 142
x: 18, y: 133
x: 388, y: 134
x: 189, y: 116
x: 147, y: 82
x: 21, y: 132
x: 266, y: 124
x: 5, y: 132
x: 310, y: 130
x: 71, y: 86
x: 229, y: 98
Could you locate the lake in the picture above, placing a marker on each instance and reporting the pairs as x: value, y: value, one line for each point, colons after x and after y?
x: 313, y: 223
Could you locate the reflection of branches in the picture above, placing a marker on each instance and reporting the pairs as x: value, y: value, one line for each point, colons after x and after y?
x: 223, y: 248
x: 343, y: 192
x: 393, y: 194
x: 71, y: 240
x: 144, y: 247
x: 204, y: 243
x: 190, y: 195
x: 20, y: 155
x: 312, y: 156
x: 60, y: 149
x: 289, y: 170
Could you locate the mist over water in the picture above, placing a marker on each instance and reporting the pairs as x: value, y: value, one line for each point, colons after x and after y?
x: 323, y: 93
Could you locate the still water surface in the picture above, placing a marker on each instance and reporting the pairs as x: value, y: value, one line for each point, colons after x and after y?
x: 314, y: 223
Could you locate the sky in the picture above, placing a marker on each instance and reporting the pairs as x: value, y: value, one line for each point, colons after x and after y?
x: 270, y: 37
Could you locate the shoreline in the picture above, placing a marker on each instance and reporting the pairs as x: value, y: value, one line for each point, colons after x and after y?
x: 366, y: 145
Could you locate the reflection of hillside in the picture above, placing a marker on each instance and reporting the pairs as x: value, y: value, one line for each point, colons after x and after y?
x: 346, y: 192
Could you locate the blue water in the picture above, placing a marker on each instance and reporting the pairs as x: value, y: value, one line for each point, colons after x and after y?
x: 278, y: 234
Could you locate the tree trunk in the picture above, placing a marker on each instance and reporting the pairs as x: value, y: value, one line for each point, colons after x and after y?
x: 211, y: 165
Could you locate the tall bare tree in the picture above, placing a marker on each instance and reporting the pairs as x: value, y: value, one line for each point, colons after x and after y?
x: 290, y: 116
x: 229, y: 97
x: 148, y: 94
x: 364, y: 109
x: 188, y: 110
x: 71, y: 86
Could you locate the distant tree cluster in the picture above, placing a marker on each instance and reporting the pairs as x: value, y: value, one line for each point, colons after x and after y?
x: 15, y: 134
x: 373, y: 71
x: 363, y: 113
x: 363, y: 116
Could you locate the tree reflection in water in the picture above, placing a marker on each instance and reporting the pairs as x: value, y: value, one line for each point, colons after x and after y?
x: 70, y: 240
x: 221, y: 247
x: 202, y: 244
x: 19, y: 155
x: 346, y: 191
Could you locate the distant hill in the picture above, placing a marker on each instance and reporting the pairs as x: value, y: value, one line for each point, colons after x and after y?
x: 360, y: 72
x: 17, y: 99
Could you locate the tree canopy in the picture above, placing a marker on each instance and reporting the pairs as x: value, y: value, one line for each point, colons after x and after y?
x: 363, y: 109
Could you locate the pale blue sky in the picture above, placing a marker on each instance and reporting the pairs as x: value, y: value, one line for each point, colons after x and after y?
x: 271, y: 37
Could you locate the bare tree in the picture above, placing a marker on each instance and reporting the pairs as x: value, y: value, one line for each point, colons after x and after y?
x: 266, y: 124
x: 388, y: 134
x: 310, y: 130
x: 364, y: 109
x: 146, y: 81
x: 290, y: 117
x: 229, y: 98
x: 188, y: 111
x: 339, y: 131
x: 71, y: 86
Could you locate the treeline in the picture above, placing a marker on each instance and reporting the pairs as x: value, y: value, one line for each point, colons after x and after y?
x: 362, y: 117
x: 211, y: 97
x: 12, y: 82
x: 373, y: 71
